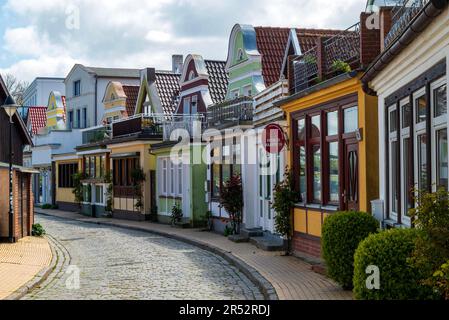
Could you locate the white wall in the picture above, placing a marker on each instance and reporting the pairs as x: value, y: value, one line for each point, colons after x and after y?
x: 39, y: 90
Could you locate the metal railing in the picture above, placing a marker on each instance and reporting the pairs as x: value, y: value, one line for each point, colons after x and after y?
x: 401, y: 15
x: 325, y: 60
x: 191, y: 124
x: 150, y: 126
x: 231, y: 113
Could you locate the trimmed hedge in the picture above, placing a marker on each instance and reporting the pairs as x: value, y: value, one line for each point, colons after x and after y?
x: 342, y: 234
x: 390, y: 251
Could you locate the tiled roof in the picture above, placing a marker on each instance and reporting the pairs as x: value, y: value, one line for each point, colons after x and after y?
x: 167, y: 84
x: 131, y: 92
x: 271, y: 43
x: 218, y: 80
x: 308, y: 37
x: 38, y: 118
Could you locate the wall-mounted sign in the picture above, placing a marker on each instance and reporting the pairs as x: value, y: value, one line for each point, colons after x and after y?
x: 273, y: 138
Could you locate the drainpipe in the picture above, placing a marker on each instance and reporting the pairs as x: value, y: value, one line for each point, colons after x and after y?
x: 96, y: 98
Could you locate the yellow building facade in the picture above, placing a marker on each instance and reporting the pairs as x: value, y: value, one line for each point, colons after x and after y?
x: 333, y: 154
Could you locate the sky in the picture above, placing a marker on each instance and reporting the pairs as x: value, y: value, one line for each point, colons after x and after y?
x: 45, y: 38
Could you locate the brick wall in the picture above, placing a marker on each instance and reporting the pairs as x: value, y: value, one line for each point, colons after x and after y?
x: 369, y: 41
x: 306, y: 244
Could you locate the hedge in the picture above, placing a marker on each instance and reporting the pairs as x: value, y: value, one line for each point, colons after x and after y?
x: 390, y: 252
x: 342, y: 234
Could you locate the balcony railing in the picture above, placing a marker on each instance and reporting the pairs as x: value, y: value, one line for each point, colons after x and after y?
x: 326, y: 59
x: 191, y: 124
x: 96, y: 134
x: 401, y: 15
x: 235, y: 112
x: 144, y: 126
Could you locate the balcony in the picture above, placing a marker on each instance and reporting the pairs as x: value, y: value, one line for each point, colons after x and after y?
x: 402, y: 13
x: 191, y: 124
x: 231, y: 113
x: 140, y: 126
x: 331, y: 57
x: 95, y: 135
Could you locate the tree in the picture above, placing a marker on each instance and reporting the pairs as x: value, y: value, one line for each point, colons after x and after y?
x: 285, y: 198
x: 231, y: 199
x: 16, y: 88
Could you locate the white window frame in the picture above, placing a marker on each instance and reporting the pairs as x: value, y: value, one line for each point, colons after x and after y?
x: 172, y: 179
x: 392, y: 138
x: 186, y: 106
x: 405, y: 133
x: 437, y: 124
x: 248, y: 90
x: 164, y: 177
x: 419, y: 129
x: 94, y: 194
x: 180, y: 179
x: 194, y: 105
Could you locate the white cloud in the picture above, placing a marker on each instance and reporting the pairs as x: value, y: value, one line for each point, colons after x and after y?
x: 136, y: 33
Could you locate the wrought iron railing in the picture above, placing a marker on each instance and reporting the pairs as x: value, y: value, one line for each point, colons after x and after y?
x: 229, y: 113
x: 96, y: 134
x: 327, y: 58
x: 401, y: 15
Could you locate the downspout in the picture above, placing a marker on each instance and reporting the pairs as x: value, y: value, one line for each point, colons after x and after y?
x: 96, y: 104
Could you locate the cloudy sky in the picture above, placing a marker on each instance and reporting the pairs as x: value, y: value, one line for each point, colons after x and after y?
x: 45, y: 38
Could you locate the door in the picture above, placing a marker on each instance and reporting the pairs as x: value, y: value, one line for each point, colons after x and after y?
x: 351, y: 176
x: 25, y: 205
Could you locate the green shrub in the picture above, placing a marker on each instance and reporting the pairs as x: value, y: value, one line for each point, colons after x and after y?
x: 342, y: 234
x: 46, y: 206
x: 440, y: 281
x: 390, y: 252
x: 38, y: 230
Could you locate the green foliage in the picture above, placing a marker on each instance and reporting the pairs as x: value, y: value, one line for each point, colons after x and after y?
x: 310, y: 59
x: 46, y: 206
x: 176, y: 214
x: 109, y: 192
x: 78, y: 187
x: 342, y: 234
x: 431, y: 216
x: 390, y: 251
x: 138, y: 177
x: 38, y: 231
x: 228, y: 231
x: 54, y: 207
x: 231, y: 199
x: 440, y: 281
x: 341, y: 66
x: 285, y: 198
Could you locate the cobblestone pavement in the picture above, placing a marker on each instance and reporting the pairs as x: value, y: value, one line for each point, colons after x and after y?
x: 116, y: 264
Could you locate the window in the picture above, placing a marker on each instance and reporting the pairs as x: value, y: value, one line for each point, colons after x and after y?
x: 87, y: 193
x: 84, y: 118
x: 180, y: 179
x: 191, y: 75
x: 171, y: 184
x: 351, y: 119
x: 65, y: 175
x: 95, y: 167
x: 406, y: 156
x: 393, y: 160
x: 70, y: 119
x: 240, y: 55
x: 77, y: 88
x: 194, y: 106
x: 248, y: 91
x: 440, y: 101
x: 186, y: 106
x: 422, y: 162
x: 99, y: 195
x: 235, y: 94
x: 78, y: 119
x: 172, y: 178
x: 439, y: 135
x: 123, y: 171
x: 421, y: 109
x: 442, y: 159
x: 164, y: 176
x: 318, y: 145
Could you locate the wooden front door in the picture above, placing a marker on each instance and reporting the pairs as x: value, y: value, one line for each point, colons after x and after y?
x: 351, y: 175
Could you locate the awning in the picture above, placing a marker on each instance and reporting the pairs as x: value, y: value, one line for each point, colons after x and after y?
x: 125, y: 155
x: 19, y: 168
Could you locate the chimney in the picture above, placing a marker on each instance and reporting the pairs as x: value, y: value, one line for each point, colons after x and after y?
x: 150, y: 74
x: 177, y: 63
x: 369, y: 38
x: 385, y: 25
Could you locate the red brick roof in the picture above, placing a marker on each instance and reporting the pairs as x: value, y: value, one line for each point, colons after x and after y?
x: 132, y: 93
x: 272, y: 44
x: 38, y: 118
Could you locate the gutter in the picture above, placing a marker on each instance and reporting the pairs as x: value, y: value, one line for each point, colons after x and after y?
x: 433, y: 9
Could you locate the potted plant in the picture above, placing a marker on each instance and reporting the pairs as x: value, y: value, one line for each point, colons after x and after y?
x: 176, y: 214
x: 340, y: 67
x: 285, y: 198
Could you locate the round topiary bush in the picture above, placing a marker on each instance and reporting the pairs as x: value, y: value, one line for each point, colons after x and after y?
x: 342, y: 234
x: 389, y: 252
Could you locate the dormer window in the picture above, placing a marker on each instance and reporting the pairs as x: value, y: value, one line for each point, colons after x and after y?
x: 191, y: 75
x: 240, y: 56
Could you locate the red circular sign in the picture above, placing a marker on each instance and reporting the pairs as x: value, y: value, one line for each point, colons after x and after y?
x: 273, y: 138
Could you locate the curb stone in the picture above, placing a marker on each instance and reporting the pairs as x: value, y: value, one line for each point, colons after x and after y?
x: 40, y: 277
x: 251, y: 273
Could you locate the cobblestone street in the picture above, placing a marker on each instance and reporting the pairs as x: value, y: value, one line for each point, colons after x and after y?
x: 122, y: 264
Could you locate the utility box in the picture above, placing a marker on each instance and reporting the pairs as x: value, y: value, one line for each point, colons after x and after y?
x: 377, y: 208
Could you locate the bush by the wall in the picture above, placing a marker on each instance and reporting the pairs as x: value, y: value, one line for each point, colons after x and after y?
x: 342, y: 234
x: 38, y: 230
x: 390, y: 252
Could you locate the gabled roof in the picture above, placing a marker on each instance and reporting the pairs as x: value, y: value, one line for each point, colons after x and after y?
x: 167, y: 85
x: 271, y: 43
x: 37, y: 118
x: 218, y: 79
x: 131, y: 92
x: 107, y: 72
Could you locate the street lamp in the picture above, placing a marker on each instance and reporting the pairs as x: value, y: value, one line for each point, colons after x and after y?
x: 10, y: 108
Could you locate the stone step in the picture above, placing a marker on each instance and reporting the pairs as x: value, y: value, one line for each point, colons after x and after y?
x: 268, y: 243
x: 252, y: 233
x: 238, y: 238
